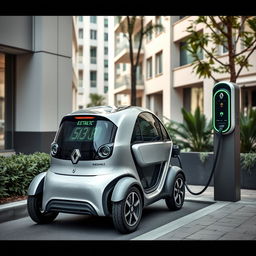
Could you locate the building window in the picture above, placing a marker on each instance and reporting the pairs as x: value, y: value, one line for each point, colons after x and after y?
x: 159, y: 63
x: 105, y: 63
x: 105, y: 37
x: 149, y: 33
x: 158, y: 22
x: 149, y: 68
x: 105, y: 89
x: 80, y: 54
x: 105, y: 50
x: 248, y: 95
x: 7, y: 76
x: 81, y: 33
x: 105, y: 76
x: 93, y: 54
x: 93, y: 34
x: 80, y: 18
x: 185, y: 55
x: 80, y: 78
x: 105, y: 23
x: 124, y: 66
x: 193, y: 98
x: 93, y: 78
x: 93, y: 19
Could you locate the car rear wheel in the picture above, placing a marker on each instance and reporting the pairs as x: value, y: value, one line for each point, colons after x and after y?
x: 176, y: 199
x: 127, y: 213
x: 34, y: 206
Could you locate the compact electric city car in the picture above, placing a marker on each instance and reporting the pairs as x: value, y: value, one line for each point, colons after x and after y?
x: 108, y: 161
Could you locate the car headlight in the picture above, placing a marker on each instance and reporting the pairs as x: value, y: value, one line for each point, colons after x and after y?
x: 54, y: 149
x: 105, y: 151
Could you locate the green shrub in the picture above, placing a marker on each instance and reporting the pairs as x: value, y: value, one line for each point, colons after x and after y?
x: 17, y: 171
x: 194, y: 134
x: 248, y: 161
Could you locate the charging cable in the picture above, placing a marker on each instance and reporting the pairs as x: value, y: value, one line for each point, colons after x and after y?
x: 213, y: 167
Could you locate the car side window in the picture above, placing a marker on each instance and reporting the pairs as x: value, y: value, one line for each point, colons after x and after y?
x: 164, y: 132
x: 136, y: 135
x: 148, y: 128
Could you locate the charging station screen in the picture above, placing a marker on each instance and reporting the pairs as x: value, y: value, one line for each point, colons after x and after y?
x: 221, y: 101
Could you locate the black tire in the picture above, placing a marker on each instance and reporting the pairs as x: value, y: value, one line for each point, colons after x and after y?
x: 176, y: 199
x: 34, y: 204
x: 127, y: 213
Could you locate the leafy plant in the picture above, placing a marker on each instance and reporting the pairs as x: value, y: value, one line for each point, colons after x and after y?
x: 248, y: 131
x: 226, y: 32
x: 248, y: 161
x: 96, y: 100
x: 203, y: 156
x: 17, y: 171
x: 194, y: 133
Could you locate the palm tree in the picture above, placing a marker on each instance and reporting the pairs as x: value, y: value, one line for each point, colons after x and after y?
x: 248, y: 131
x: 96, y: 100
x: 194, y: 133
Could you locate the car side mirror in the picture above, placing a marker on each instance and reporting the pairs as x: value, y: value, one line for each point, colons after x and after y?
x: 175, y: 151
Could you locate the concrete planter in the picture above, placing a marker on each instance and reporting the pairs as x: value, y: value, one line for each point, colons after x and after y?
x: 198, y: 172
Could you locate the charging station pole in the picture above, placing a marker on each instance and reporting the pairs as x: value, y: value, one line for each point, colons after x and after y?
x: 226, y: 116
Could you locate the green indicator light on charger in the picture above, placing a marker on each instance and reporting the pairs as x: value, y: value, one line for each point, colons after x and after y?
x: 221, y: 114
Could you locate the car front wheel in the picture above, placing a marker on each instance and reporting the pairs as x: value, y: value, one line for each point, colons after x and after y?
x: 34, y: 204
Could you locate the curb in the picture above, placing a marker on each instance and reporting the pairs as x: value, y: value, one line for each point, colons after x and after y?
x: 13, y: 211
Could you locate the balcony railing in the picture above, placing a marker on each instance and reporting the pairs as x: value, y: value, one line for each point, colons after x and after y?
x: 125, y: 45
x: 126, y: 80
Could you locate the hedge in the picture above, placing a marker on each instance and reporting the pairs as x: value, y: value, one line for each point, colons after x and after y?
x: 17, y: 171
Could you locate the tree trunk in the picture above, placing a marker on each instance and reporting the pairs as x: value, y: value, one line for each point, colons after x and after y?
x: 133, y: 85
x: 231, y: 53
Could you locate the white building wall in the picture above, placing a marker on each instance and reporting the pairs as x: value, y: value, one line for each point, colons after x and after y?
x: 84, y: 99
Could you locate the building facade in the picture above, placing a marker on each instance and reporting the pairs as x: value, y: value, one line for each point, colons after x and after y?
x: 93, y: 57
x: 166, y: 81
x: 35, y: 80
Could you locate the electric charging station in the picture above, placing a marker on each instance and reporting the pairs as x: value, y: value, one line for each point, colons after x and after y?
x: 225, y: 118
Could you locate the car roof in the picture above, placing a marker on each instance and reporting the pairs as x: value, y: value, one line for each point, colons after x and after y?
x: 113, y: 113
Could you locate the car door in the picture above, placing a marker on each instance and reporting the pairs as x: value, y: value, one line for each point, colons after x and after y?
x: 151, y: 149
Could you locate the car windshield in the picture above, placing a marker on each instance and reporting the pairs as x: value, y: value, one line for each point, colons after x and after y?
x: 84, y: 133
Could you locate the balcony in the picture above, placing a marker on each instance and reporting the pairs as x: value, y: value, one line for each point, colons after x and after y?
x: 121, y: 27
x: 123, y: 85
x: 122, y: 52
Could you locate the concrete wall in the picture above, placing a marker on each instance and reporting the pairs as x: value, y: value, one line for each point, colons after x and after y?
x: 16, y: 31
x: 43, y: 84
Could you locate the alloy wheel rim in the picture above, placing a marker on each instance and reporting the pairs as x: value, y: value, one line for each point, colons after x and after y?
x: 132, y: 209
x: 179, y: 191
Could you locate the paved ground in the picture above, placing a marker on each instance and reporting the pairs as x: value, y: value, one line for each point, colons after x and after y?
x: 80, y: 227
x: 197, y: 220
x: 232, y: 221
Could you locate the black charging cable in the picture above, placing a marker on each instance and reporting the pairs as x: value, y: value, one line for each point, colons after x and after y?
x: 213, y: 167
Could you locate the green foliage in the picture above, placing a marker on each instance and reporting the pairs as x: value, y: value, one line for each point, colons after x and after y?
x: 248, y: 131
x: 96, y: 100
x: 248, y: 161
x: 203, y: 156
x: 17, y: 171
x: 225, y: 31
x: 194, y: 133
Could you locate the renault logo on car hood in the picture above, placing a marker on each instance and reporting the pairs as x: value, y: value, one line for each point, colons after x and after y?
x: 75, y: 156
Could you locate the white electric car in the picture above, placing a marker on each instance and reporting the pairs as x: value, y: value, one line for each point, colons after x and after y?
x: 108, y: 161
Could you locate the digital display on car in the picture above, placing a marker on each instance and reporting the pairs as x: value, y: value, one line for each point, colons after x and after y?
x: 84, y: 131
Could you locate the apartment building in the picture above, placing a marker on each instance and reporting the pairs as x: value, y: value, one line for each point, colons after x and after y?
x: 35, y: 80
x: 93, y: 57
x: 166, y: 82
x: 74, y: 63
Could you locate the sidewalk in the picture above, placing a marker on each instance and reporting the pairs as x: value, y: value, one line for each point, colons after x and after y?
x: 231, y: 221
